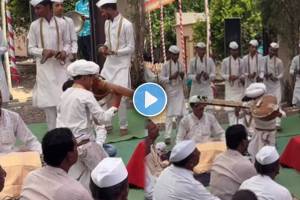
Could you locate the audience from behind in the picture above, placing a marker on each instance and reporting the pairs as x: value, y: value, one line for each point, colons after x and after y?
x: 244, y: 195
x: 109, y: 180
x: 177, y: 181
x: 263, y: 184
x: 231, y: 168
x: 52, y: 181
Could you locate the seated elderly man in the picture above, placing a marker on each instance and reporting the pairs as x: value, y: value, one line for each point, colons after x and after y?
x: 263, y: 184
x: 177, y: 181
x: 12, y: 127
x: 52, y: 181
x: 230, y: 169
x: 199, y: 126
x: 109, y: 180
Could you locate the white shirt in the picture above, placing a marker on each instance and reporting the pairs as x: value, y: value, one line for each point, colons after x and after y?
x: 51, y: 183
x: 200, y: 130
x: 230, y: 169
x: 3, y: 83
x: 119, y: 37
x: 73, y: 35
x: 253, y: 64
x: 52, y: 74
x: 176, y: 183
x: 266, y: 189
x: 12, y: 127
x: 77, y: 109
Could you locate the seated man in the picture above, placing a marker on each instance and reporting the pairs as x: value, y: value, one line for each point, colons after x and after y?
x: 177, y: 181
x: 244, y: 195
x: 109, y: 180
x: 199, y: 126
x: 263, y: 184
x: 12, y: 128
x: 230, y: 169
x: 78, y: 110
x: 52, y: 181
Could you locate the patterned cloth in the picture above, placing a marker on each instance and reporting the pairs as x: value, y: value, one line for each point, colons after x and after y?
x: 82, y: 6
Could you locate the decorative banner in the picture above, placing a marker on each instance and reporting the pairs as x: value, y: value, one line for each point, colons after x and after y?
x: 151, y: 5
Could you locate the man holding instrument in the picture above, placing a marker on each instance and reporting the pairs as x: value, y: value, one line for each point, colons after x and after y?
x: 58, y: 10
x: 202, y: 71
x: 274, y: 71
x: 172, y: 76
x: 78, y: 109
x: 49, y: 42
x: 232, y: 72
x: 118, y: 49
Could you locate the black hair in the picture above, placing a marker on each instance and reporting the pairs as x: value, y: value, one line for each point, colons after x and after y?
x: 47, y: 2
x: 56, y: 144
x: 108, y: 193
x: 246, y: 99
x: 112, y: 6
x: 69, y: 83
x: 235, y: 135
x: 266, y: 169
x: 244, y: 195
x: 147, y: 57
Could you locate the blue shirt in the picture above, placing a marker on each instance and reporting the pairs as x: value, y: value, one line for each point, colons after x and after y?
x: 82, y: 6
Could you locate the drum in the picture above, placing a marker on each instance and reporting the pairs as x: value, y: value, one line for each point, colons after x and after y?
x: 266, y: 108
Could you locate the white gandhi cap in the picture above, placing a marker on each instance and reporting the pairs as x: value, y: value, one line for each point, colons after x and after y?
x: 267, y: 155
x: 35, y: 2
x: 233, y: 45
x: 274, y: 45
x: 182, y: 150
x: 58, y: 1
x: 201, y: 45
x: 83, y: 67
x: 109, y: 172
x: 174, y: 49
x: 253, y: 43
x: 255, y: 90
x: 103, y: 2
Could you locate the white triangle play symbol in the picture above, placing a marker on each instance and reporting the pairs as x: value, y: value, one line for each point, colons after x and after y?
x: 149, y: 99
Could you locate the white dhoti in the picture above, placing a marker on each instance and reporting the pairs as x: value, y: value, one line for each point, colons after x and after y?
x: 296, y: 94
x: 89, y: 155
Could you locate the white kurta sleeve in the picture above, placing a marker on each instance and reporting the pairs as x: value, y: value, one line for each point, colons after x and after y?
x: 164, y: 75
x: 224, y: 71
x: 106, y: 33
x: 99, y: 115
x: 182, y: 130
x: 23, y: 133
x: 212, y: 65
x: 73, y: 37
x: 3, y: 45
x: 281, y: 70
x: 129, y: 35
x: 33, y: 46
x: 293, y: 66
x: 216, y: 129
x: 261, y: 67
x: 66, y: 38
x: 198, y: 191
x: 244, y: 64
x: 191, y: 72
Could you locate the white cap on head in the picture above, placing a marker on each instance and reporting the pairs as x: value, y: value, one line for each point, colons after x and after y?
x: 35, y: 2
x: 161, y: 146
x: 82, y: 67
x: 255, y: 90
x: 201, y: 45
x: 174, y: 49
x: 233, y: 45
x: 182, y: 150
x: 274, y: 45
x: 109, y: 172
x: 196, y: 99
x: 103, y: 2
x: 57, y: 1
x: 253, y: 43
x: 267, y: 155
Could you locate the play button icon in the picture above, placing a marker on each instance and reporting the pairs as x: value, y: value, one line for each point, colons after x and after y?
x: 149, y: 99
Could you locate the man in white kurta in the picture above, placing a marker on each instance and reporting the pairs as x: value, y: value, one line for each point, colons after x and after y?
x: 273, y: 75
x: 78, y: 110
x: 253, y: 64
x: 231, y: 168
x: 12, y: 127
x: 172, y: 77
x: 232, y: 72
x: 118, y: 48
x: 58, y: 10
x: 202, y: 71
x: 177, y: 181
x: 52, y: 181
x: 295, y: 73
x: 263, y: 184
x: 47, y: 36
x: 199, y: 125
x: 3, y: 82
